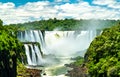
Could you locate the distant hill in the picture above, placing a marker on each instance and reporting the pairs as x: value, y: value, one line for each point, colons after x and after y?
x: 66, y: 24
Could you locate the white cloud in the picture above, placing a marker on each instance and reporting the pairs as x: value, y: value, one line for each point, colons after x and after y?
x: 109, y: 3
x: 58, y: 0
x: 103, y: 2
x: 61, y: 0
x: 8, y: 5
x: 44, y: 9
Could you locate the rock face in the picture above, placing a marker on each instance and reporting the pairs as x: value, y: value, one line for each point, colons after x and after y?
x: 34, y: 72
x: 31, y: 73
x: 77, y: 71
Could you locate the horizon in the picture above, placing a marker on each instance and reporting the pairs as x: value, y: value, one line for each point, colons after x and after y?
x: 64, y: 19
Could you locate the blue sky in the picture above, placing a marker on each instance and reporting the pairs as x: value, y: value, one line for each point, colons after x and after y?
x: 19, y: 2
x: 20, y: 11
x: 22, y: 2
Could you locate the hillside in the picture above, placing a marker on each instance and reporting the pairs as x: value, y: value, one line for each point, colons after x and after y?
x: 103, y: 56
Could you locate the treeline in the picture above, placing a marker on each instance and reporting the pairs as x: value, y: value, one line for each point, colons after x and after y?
x: 66, y: 24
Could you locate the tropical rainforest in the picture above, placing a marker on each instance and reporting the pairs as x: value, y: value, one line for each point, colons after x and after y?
x: 102, y: 58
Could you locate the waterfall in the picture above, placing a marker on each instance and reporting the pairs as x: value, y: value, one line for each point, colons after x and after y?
x: 34, y: 45
x: 29, y: 60
x: 33, y: 54
x: 67, y: 43
x: 58, y: 43
x: 31, y: 36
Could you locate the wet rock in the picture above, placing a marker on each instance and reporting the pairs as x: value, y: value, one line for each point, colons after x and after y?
x: 31, y: 73
x: 44, y: 74
x: 34, y: 72
x: 77, y: 71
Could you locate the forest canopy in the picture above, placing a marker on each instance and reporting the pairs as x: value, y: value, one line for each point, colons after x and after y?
x: 66, y: 24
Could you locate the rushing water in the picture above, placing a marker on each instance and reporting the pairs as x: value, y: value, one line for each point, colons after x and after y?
x: 53, y: 49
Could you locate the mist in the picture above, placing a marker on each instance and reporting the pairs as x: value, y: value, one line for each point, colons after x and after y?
x: 67, y: 43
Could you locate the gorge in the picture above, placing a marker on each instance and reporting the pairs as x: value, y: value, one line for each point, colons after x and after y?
x: 53, y: 49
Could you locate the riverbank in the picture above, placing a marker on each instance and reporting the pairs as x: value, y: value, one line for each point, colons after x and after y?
x: 77, y: 71
x: 30, y: 73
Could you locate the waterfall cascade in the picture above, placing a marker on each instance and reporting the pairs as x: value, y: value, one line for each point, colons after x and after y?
x: 34, y: 45
x: 59, y: 43
x: 33, y: 53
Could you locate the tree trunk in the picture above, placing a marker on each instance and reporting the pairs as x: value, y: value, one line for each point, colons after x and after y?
x: 14, y: 59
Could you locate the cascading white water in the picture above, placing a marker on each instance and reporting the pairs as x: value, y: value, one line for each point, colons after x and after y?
x: 30, y: 36
x: 59, y: 44
x: 66, y: 43
x: 33, y: 54
x: 29, y: 60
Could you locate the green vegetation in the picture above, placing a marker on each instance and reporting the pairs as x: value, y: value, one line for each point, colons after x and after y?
x: 67, y: 24
x: 78, y: 61
x: 103, y: 56
x: 11, y: 51
x: 21, y: 70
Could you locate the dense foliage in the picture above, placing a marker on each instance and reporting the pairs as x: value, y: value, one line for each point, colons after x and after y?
x: 78, y: 61
x: 10, y: 52
x: 67, y: 24
x: 103, y: 56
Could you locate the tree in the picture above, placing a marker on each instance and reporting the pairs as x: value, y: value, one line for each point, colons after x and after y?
x: 1, y: 22
x: 10, y: 49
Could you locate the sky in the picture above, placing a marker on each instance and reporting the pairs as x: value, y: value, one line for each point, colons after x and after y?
x: 20, y: 11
